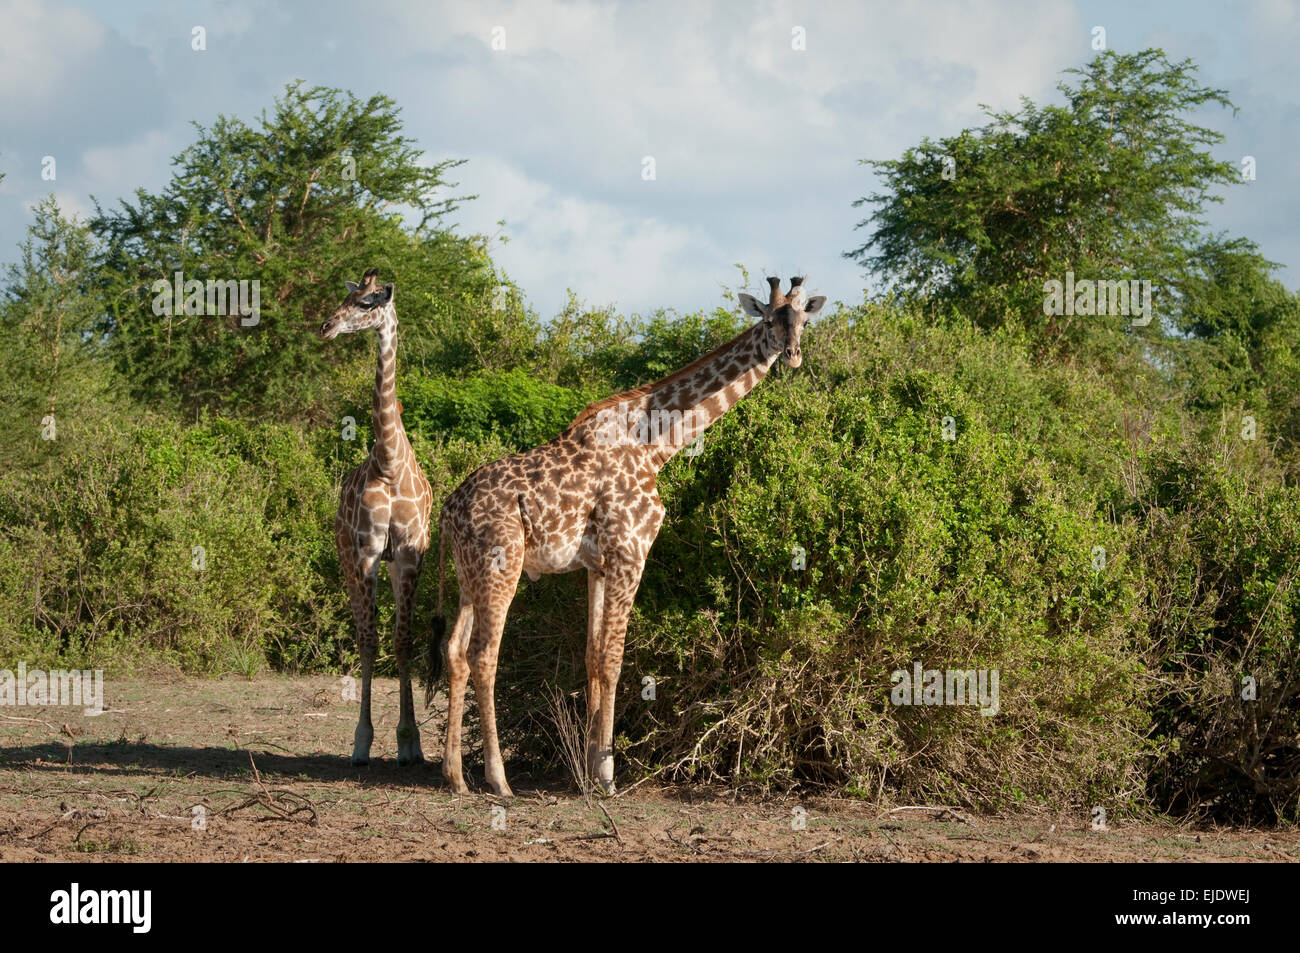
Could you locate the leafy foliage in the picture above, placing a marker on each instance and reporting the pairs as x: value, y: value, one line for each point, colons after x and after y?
x: 309, y: 197
x: 51, y: 378
x: 935, y: 485
x: 1109, y: 185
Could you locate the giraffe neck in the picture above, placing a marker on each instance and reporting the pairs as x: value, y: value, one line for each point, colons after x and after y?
x: 386, y: 456
x: 703, y: 391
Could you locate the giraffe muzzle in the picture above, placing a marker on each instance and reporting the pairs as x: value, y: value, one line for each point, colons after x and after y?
x: 329, y: 330
x: 793, y: 356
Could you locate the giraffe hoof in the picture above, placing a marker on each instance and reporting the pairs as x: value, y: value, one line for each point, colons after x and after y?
x: 499, y: 786
x: 360, y: 762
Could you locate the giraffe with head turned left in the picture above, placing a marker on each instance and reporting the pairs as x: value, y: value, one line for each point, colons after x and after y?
x: 383, y: 515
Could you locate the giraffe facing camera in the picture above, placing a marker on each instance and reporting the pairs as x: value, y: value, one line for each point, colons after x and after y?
x: 383, y: 515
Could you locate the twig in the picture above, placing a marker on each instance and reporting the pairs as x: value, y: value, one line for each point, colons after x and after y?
x: 617, y: 836
x: 630, y: 788
x: 39, y: 721
x: 272, y: 744
x: 284, y: 805
x: 892, y: 841
x: 52, y: 826
x: 942, y: 810
x: 668, y: 831
x: 77, y: 839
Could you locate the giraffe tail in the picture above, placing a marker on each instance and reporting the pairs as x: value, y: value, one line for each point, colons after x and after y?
x: 436, y: 647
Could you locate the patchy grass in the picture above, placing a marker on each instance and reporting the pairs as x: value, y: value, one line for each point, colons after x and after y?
x: 267, y: 762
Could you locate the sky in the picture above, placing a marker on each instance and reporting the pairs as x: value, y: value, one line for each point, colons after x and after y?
x: 756, y: 144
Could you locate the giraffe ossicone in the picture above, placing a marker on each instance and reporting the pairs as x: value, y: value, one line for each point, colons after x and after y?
x: 383, y: 515
x: 586, y: 500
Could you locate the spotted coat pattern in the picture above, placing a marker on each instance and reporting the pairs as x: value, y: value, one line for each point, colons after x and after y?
x: 383, y: 516
x: 588, y: 500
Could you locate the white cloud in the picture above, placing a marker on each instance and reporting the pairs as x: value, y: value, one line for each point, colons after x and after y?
x: 117, y: 169
x: 756, y: 144
x: 559, y: 241
x: 40, y: 45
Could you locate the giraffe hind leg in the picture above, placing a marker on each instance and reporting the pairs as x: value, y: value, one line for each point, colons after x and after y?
x: 457, y: 678
x: 595, y: 635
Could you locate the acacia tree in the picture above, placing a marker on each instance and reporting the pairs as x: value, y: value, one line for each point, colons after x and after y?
x: 1111, y: 184
x: 50, y: 348
x: 313, y: 194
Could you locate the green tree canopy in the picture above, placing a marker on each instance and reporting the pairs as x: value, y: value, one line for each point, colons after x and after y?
x: 49, y: 337
x: 313, y: 194
x: 1110, y: 185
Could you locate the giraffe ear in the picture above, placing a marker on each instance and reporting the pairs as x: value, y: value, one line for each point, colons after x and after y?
x: 386, y: 294
x: 814, y: 305
x: 352, y: 286
x: 751, y: 306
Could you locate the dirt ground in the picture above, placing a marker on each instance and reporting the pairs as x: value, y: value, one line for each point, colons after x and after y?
x: 167, y: 773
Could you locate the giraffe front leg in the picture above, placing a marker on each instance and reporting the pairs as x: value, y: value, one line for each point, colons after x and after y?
x: 405, y: 574
x: 364, y: 612
x: 604, y: 666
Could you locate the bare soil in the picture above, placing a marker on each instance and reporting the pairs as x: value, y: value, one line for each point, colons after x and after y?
x: 266, y: 761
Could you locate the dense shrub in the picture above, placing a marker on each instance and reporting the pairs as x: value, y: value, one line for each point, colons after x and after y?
x: 1107, y: 516
x: 100, y: 565
x: 521, y: 409
x: 958, y: 554
x: 1220, y: 561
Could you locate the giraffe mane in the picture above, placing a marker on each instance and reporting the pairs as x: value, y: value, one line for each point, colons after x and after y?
x: 597, y: 406
x: 775, y: 299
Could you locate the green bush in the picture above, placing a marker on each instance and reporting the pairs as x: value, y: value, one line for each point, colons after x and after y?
x: 513, y: 404
x: 101, y: 566
x: 1220, y: 560
x: 958, y: 554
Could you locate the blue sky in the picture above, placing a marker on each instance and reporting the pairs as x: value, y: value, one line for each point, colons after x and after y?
x: 755, y: 144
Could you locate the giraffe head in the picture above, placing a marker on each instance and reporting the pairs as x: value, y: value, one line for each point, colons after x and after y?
x: 367, y: 306
x: 784, y: 317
